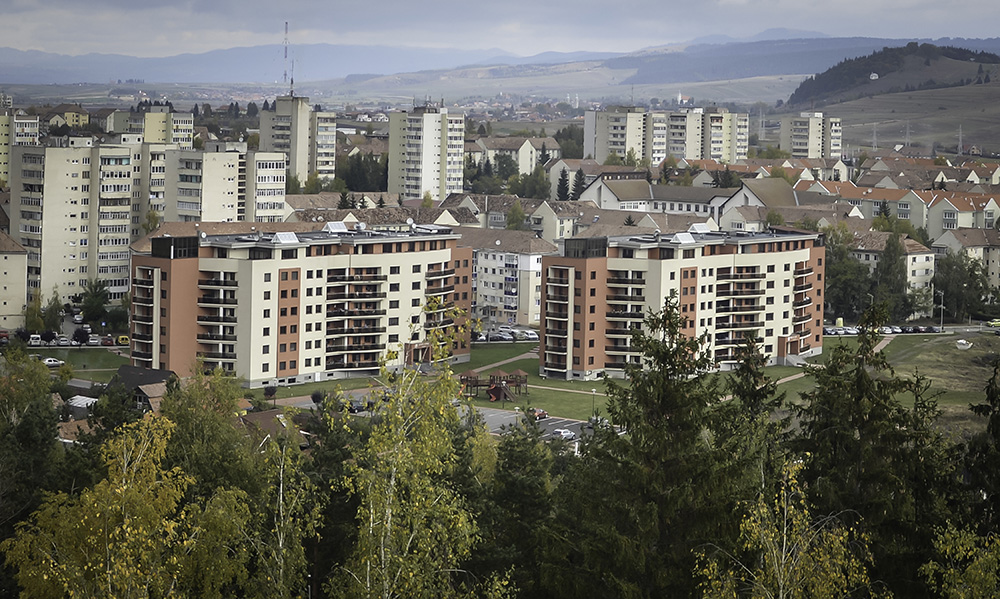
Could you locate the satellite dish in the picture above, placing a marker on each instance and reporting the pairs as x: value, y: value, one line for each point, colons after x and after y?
x: 409, y: 221
x: 204, y: 235
x: 498, y: 242
x: 362, y: 226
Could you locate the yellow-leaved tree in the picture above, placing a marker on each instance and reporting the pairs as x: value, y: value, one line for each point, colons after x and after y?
x: 796, y: 556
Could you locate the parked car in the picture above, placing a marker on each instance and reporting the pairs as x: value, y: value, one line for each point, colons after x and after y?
x: 909, y: 329
x: 919, y: 329
x: 935, y: 330
x: 107, y: 340
x: 499, y: 336
x: 885, y: 330
x: 86, y: 327
x: 597, y: 422
x: 52, y: 362
x: 122, y: 340
x: 564, y: 433
x: 829, y: 331
x: 78, y: 319
x: 538, y: 413
x: 479, y: 336
x: 94, y: 340
x: 896, y: 330
x: 994, y: 323
x: 63, y: 340
x: 850, y: 331
x: 356, y: 406
x: 34, y: 340
x: 530, y: 336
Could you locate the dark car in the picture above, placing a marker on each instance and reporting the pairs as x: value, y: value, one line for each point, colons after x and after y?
x: 356, y: 406
x: 909, y: 329
x: 935, y: 330
x: 109, y: 340
x: 919, y: 329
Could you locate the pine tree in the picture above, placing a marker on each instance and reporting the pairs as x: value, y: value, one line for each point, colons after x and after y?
x: 562, y: 187
x: 579, y: 182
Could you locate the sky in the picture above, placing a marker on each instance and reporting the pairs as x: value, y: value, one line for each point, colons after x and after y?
x: 521, y: 27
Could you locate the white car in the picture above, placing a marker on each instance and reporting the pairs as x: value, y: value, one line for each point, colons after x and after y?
x: 63, y: 340
x: 52, y: 362
x: 530, y: 335
x: 564, y: 433
x: 78, y: 318
x: 94, y: 340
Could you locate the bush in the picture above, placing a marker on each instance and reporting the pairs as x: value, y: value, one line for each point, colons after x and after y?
x: 317, y: 397
x: 270, y: 391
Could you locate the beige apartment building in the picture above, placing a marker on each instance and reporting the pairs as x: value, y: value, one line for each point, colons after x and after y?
x: 811, y: 135
x: 307, y: 137
x: 158, y: 125
x: 692, y: 134
x: 426, y: 152
x: 224, y: 183
x: 727, y: 285
x: 16, y: 129
x: 289, y: 303
x: 13, y: 282
x: 71, y: 208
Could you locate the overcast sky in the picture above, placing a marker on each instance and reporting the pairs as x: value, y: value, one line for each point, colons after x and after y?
x: 523, y: 27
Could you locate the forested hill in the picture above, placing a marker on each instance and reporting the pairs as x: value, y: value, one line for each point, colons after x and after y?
x: 913, y: 66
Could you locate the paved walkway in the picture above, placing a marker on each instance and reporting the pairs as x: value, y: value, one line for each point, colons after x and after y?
x: 525, y: 356
x: 878, y: 347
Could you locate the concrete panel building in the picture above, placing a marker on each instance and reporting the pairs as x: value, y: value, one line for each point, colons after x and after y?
x: 16, y: 129
x: 811, y: 135
x: 426, y: 152
x: 727, y: 285
x: 306, y: 136
x: 289, y: 303
x: 13, y: 282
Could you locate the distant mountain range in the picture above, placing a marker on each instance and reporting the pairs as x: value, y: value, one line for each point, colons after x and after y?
x: 773, y: 52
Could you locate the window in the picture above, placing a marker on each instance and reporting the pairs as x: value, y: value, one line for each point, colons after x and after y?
x: 282, y: 348
x: 393, y: 338
x: 267, y: 295
x: 283, y: 312
x: 265, y: 349
x: 267, y: 277
x: 415, y: 319
x: 267, y: 313
x: 393, y: 303
x: 416, y: 285
x: 393, y: 270
x: 267, y: 332
x: 283, y: 330
x: 393, y: 286
x: 416, y: 268
x: 284, y: 294
x: 415, y: 302
x: 394, y: 321
x: 265, y: 367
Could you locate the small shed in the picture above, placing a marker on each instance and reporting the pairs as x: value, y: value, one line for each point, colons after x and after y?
x: 80, y: 406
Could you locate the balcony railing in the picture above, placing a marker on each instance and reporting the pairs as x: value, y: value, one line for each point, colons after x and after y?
x: 215, y: 318
x: 562, y: 299
x: 619, y: 349
x: 738, y: 292
x: 142, y: 282
x: 802, y: 302
x: 626, y: 298
x: 803, y: 287
x: 228, y: 301
x: 558, y: 315
x: 745, y: 324
x: 737, y: 276
x: 215, y: 337
x: 555, y: 365
x: 626, y: 315
x: 557, y: 281
x: 615, y: 365
x: 146, y: 301
x: 802, y: 272
x: 142, y: 355
x: 217, y: 355
x: 217, y: 283
x: 731, y: 309
x: 437, y: 324
x: 625, y: 281
x: 557, y: 332
x: 433, y: 274
x: 350, y: 313
x: 355, y: 330
x: 143, y: 318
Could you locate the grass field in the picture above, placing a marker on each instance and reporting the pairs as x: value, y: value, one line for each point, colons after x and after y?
x: 86, y: 361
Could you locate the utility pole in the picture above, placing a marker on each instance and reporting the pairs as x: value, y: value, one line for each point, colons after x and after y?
x: 285, y: 44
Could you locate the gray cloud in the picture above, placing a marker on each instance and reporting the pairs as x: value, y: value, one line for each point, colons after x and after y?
x: 518, y: 26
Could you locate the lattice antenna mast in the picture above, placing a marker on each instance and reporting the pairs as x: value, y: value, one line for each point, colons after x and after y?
x: 285, y: 44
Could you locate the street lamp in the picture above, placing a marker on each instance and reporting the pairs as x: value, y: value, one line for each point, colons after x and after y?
x: 593, y: 402
x: 941, y: 293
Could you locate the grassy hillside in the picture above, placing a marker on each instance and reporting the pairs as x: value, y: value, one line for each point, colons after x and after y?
x: 911, y: 67
x: 934, y: 116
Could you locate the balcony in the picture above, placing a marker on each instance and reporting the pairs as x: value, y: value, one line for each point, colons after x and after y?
x: 142, y: 355
x: 551, y: 297
x: 555, y: 348
x: 740, y: 276
x: 142, y: 337
x: 217, y: 301
x: 802, y: 302
x: 802, y: 272
x: 557, y: 315
x: 803, y: 287
x: 626, y: 281
x: 626, y: 298
x: 355, y: 330
x: 741, y: 308
x: 732, y: 341
x: 619, y: 349
x: 145, y: 301
x: 555, y: 365
x: 142, y: 282
x: 615, y: 365
x: 744, y: 324
x: 352, y: 365
x: 798, y: 318
x: 618, y: 332
x: 557, y: 281
x: 625, y: 315
x: 217, y: 355
x: 352, y: 278
x: 437, y: 324
x: 436, y: 274
x: 440, y: 290
x: 341, y: 348
x: 350, y: 313
x: 557, y: 332
x: 143, y: 318
x: 215, y: 318
x: 738, y: 292
x: 213, y: 337
x: 217, y: 283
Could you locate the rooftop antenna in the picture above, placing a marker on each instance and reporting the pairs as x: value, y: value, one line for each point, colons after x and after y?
x: 906, y: 141
x: 291, y: 82
x: 285, y: 44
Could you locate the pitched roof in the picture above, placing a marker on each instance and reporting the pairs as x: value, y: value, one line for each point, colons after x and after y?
x: 390, y: 215
x: 9, y: 245
x: 773, y: 191
x: 875, y: 241
x: 518, y: 242
x: 968, y: 237
x: 493, y: 203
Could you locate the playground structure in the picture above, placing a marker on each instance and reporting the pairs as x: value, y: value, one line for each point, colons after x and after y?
x: 499, y: 385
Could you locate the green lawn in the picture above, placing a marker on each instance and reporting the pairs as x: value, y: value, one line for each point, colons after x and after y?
x: 85, y: 359
x: 562, y: 404
x: 490, y: 353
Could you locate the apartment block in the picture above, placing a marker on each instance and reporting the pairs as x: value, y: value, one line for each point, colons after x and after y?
x: 71, y: 208
x: 691, y: 133
x: 16, y: 129
x: 306, y: 136
x: 13, y: 282
x: 728, y: 286
x: 506, y: 275
x: 426, y: 152
x: 158, y: 125
x: 811, y: 135
x: 224, y: 183
x: 289, y: 303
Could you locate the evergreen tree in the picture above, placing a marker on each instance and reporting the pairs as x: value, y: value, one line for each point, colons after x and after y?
x: 889, y: 282
x: 562, y: 187
x: 579, y: 183
x: 516, y: 216
x: 345, y: 201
